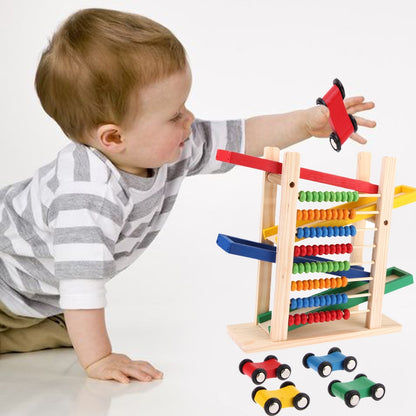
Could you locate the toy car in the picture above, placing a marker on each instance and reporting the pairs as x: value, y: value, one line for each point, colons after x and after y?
x: 351, y: 392
x: 268, y: 368
x: 325, y: 364
x: 274, y: 400
x: 342, y: 124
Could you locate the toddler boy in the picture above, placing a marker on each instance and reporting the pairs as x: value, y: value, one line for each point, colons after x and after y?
x: 117, y: 85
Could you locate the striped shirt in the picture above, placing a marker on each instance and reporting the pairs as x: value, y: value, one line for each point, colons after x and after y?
x: 79, y: 220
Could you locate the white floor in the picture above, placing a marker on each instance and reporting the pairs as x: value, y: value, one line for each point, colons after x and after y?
x: 172, y: 306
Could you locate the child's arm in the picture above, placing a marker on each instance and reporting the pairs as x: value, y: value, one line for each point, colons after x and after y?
x: 89, y: 337
x: 283, y: 130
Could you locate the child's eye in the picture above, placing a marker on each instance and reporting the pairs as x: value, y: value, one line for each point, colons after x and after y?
x: 176, y: 118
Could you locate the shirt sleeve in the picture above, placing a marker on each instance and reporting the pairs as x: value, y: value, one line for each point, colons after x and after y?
x: 209, y: 136
x: 86, y: 220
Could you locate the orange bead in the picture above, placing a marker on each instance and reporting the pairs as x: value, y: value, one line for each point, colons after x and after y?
x: 299, y: 284
x: 322, y: 214
x: 333, y: 283
x: 329, y: 214
x: 311, y: 214
x: 353, y: 213
x: 334, y: 214
x: 317, y: 214
x: 311, y: 285
x: 298, y: 214
x: 339, y: 282
x: 293, y: 286
x: 346, y: 214
x: 327, y: 283
x: 305, y: 215
x: 316, y: 284
x: 321, y: 283
x: 344, y: 281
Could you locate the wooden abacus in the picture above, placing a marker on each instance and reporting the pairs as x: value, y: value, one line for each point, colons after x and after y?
x: 322, y: 319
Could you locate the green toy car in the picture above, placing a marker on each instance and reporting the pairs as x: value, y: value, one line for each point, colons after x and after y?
x: 351, y: 392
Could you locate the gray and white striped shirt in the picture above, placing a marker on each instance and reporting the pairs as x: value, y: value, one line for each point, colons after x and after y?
x: 79, y: 221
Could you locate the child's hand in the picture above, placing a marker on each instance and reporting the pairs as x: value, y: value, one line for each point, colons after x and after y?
x: 318, y: 116
x: 121, y: 368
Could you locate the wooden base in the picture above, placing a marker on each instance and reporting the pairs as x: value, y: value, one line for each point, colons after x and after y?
x: 252, y: 338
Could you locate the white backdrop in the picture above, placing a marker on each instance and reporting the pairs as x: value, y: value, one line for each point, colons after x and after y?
x: 248, y: 57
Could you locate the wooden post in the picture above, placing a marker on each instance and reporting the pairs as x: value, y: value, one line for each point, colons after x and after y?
x: 285, y: 246
x: 381, y: 241
x: 268, y: 219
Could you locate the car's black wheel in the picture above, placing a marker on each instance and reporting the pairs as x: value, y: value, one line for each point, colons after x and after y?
x: 325, y: 369
x: 254, y: 392
x: 338, y: 83
x: 283, y: 372
x: 359, y: 375
x: 330, y: 387
x: 334, y: 349
x: 320, y: 101
x: 272, y: 406
x: 305, y: 359
x: 243, y: 363
x: 335, y: 141
x: 301, y: 401
x: 377, y: 391
x: 271, y: 357
x: 259, y: 376
x: 287, y: 383
x: 352, y: 398
x: 349, y: 364
x: 353, y: 122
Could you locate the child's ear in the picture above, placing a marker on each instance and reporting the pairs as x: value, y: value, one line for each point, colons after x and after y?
x: 109, y: 136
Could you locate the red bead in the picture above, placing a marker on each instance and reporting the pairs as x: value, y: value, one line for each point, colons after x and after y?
x: 303, y: 251
x: 321, y: 250
x: 309, y: 250
x: 304, y: 318
x: 297, y: 319
x: 311, y: 318
x: 339, y: 314
x: 347, y: 314
x: 291, y: 320
x: 332, y: 249
x: 297, y: 251
x: 349, y: 248
x: 315, y: 250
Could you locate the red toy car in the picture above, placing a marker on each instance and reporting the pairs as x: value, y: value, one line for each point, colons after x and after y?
x: 342, y: 124
x: 269, y: 368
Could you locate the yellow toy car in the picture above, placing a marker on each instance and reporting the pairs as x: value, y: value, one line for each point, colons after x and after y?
x: 274, y: 400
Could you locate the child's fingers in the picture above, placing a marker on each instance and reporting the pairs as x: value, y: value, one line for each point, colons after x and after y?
x: 357, y: 138
x: 119, y: 376
x: 365, y: 122
x: 149, y: 369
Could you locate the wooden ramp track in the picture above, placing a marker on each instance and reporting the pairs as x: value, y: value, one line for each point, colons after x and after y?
x: 253, y: 338
x: 403, y: 195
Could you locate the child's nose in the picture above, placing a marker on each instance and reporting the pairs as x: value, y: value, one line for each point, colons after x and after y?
x: 189, y: 119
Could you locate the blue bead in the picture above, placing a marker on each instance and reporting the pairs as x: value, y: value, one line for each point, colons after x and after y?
x: 353, y: 230
x: 313, y: 232
x: 330, y: 231
x: 336, y: 231
x: 293, y: 304
x: 341, y: 231
x: 307, y: 232
x: 347, y: 231
x: 299, y: 232
x: 324, y: 231
x: 318, y: 232
x: 344, y: 298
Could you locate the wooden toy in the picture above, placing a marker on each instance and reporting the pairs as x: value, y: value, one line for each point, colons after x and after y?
x: 269, y: 368
x: 273, y: 401
x: 331, y: 312
x: 351, y: 392
x: 325, y: 364
x: 342, y: 124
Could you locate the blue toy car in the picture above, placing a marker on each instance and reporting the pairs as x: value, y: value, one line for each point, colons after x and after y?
x: 325, y: 364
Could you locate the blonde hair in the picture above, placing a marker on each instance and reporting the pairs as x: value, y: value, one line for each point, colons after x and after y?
x: 94, y: 63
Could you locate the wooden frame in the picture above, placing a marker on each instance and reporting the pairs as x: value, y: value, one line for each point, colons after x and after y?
x: 256, y: 336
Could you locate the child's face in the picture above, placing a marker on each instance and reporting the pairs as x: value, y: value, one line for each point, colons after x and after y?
x: 161, y: 125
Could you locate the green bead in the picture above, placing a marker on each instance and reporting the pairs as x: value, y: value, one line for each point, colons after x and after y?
x: 350, y: 196
x: 314, y: 196
x: 308, y: 196
x: 319, y: 267
x: 341, y: 266
x: 347, y: 265
x: 337, y: 196
x: 356, y: 197
x: 313, y: 267
x: 330, y: 266
x: 327, y: 196
x: 332, y: 197
x: 336, y: 266
x: 324, y: 267
x: 343, y: 196
x: 301, y: 268
x: 307, y: 267
x: 320, y: 196
x: 295, y: 268
x: 302, y: 196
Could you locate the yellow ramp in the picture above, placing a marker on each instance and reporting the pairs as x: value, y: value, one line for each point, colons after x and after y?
x: 403, y: 195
